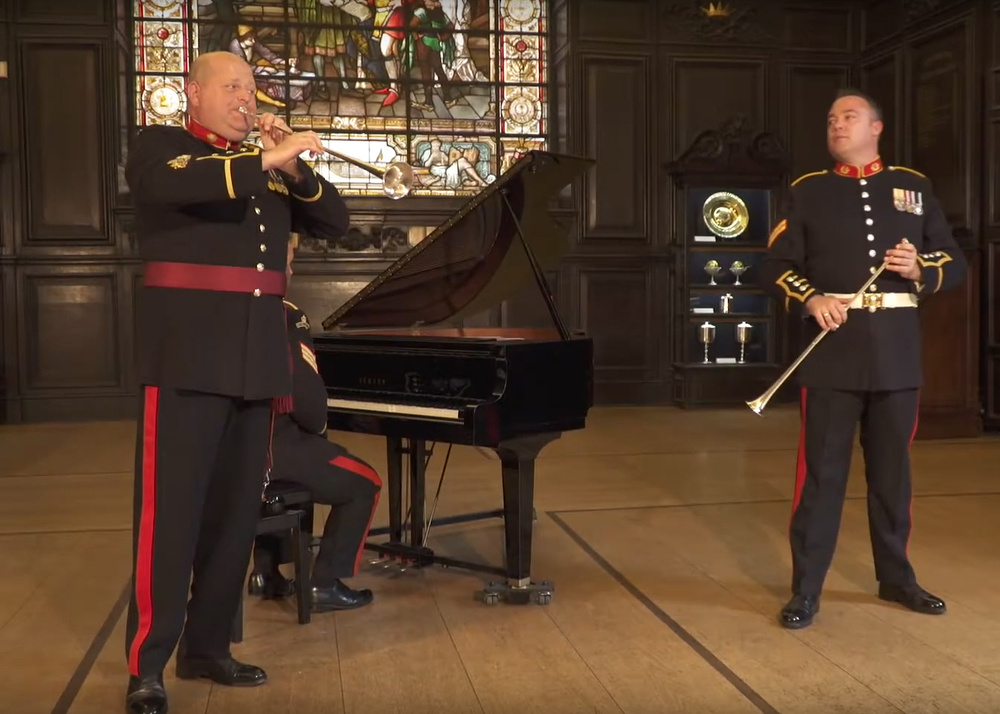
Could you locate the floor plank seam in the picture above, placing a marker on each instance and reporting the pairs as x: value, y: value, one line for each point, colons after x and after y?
x: 583, y: 660
x: 79, y: 676
x: 67, y: 531
x: 65, y: 474
x: 451, y: 638
x: 931, y: 645
x: 756, y: 502
x: 699, y: 648
x: 767, y: 616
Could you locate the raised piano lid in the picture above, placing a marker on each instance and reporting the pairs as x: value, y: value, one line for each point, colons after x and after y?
x: 474, y: 260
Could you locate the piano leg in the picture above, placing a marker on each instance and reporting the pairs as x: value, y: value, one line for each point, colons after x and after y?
x: 394, y: 452
x: 412, y: 553
x: 418, y: 459
x: 517, y: 459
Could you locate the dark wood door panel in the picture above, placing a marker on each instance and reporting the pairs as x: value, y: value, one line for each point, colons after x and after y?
x: 64, y: 151
x: 616, y: 134
x: 70, y: 329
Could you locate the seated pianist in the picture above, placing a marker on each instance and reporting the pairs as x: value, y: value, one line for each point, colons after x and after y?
x: 301, y: 453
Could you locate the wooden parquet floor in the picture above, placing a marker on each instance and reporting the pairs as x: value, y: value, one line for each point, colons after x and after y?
x: 664, y: 532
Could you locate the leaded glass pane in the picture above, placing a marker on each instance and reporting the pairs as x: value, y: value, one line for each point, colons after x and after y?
x: 454, y: 87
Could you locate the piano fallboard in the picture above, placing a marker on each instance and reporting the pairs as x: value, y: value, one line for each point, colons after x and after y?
x: 464, y: 387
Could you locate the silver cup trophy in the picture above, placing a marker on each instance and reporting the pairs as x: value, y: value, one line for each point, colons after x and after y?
x: 743, y: 337
x: 737, y: 269
x: 706, y: 335
x: 726, y: 303
x: 713, y: 268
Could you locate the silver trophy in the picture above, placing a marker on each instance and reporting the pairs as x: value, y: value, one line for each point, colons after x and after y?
x: 726, y: 302
x: 713, y: 268
x: 737, y: 269
x: 706, y: 335
x: 743, y: 337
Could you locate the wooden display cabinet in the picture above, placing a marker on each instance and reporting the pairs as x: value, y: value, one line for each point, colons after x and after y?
x: 726, y: 189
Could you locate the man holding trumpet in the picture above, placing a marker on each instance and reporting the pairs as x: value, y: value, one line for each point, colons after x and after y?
x: 213, y: 216
x: 840, y: 227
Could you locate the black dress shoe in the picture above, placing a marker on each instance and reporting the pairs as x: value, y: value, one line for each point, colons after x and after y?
x: 913, y: 597
x: 270, y: 587
x: 221, y: 671
x: 145, y: 695
x: 800, y: 611
x: 339, y: 597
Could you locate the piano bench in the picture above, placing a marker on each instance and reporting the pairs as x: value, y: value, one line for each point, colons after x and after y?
x: 278, y: 516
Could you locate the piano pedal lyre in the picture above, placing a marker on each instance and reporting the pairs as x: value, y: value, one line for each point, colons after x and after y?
x: 516, y: 592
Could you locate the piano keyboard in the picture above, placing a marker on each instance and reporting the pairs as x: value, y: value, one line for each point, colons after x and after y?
x: 401, y: 409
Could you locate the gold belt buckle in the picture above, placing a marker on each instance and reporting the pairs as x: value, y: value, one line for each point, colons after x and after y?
x: 872, y: 301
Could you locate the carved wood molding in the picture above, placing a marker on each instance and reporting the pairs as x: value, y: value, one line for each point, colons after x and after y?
x: 747, y: 22
x: 735, y: 148
x: 916, y: 9
x: 376, y: 240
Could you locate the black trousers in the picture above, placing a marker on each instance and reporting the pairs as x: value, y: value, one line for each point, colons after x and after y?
x: 199, y: 472
x: 333, y: 477
x: 830, y: 418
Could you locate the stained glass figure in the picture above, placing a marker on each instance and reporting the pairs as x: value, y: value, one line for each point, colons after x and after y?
x: 455, y: 88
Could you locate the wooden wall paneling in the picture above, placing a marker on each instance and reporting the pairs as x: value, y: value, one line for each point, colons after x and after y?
x: 991, y: 218
x: 810, y: 89
x: 820, y: 29
x: 942, y: 81
x: 67, y: 122
x: 9, y: 404
x: 559, y: 26
x: 7, y: 143
x: 739, y: 25
x: 881, y: 23
x: 882, y: 78
x: 64, y: 12
x: 737, y: 86
x: 71, y: 349
x: 991, y: 343
x: 616, y: 134
x: 614, y: 21
x: 617, y: 308
x: 8, y: 307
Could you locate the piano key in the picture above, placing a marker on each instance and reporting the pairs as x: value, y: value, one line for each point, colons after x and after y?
x: 400, y: 409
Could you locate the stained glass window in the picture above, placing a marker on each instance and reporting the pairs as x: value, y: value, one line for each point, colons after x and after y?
x: 456, y: 88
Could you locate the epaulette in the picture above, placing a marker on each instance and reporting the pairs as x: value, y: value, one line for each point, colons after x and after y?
x: 812, y: 173
x: 906, y: 168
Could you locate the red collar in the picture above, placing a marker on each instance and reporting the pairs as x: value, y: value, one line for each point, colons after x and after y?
x: 210, y: 137
x: 842, y: 169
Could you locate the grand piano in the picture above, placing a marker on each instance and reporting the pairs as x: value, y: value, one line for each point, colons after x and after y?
x: 389, y: 371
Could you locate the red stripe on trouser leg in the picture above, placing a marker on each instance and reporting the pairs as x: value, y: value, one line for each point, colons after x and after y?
x: 800, y: 466
x: 369, y: 473
x: 913, y: 434
x: 147, y: 524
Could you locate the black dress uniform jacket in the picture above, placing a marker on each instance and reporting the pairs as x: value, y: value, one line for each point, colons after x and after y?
x: 308, y: 389
x: 837, y: 226
x: 200, y: 199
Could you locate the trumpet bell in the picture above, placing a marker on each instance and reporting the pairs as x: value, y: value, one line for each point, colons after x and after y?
x: 397, y: 180
x: 725, y: 214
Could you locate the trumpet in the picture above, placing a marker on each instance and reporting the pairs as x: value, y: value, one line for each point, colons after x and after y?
x: 397, y: 178
x: 757, y: 405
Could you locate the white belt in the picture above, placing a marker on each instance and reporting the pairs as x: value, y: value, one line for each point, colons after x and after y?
x: 877, y: 301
